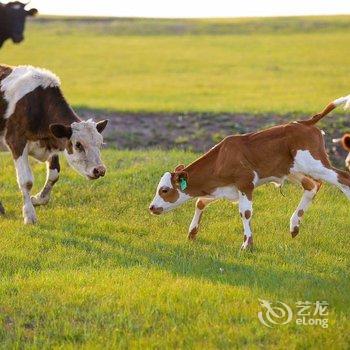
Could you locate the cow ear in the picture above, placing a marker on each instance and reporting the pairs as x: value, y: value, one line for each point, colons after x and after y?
x: 32, y: 12
x: 100, y: 126
x: 61, y: 131
x: 180, y: 167
x: 346, y: 142
x: 179, y: 176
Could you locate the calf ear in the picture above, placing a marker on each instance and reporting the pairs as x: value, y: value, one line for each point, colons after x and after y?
x: 61, y: 131
x: 100, y: 126
x: 32, y: 12
x: 180, y: 167
x: 180, y: 175
x: 346, y: 142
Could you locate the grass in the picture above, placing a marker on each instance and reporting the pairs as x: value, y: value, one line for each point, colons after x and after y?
x: 99, y: 271
x: 254, y: 66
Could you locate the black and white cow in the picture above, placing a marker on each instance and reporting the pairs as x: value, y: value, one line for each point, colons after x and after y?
x: 12, y: 21
x: 36, y: 120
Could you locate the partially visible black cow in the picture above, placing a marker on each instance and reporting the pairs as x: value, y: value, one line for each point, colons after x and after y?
x: 12, y: 21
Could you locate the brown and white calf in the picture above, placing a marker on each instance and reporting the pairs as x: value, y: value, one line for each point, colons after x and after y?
x: 238, y: 164
x: 345, y: 142
x: 36, y: 120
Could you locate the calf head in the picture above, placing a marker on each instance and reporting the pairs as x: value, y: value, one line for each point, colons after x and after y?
x: 345, y: 142
x: 83, y: 144
x: 14, y: 17
x: 171, y: 191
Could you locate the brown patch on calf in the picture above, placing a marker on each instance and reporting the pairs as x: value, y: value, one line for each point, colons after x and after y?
x: 307, y: 184
x: 300, y: 213
x: 170, y: 195
x: 247, y: 214
x: 200, y: 205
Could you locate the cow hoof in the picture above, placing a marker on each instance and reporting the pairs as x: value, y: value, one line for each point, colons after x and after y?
x: 248, y: 243
x: 30, y: 220
x: 2, y: 209
x: 38, y: 200
x: 29, y: 215
x: 192, y: 235
x: 295, y: 231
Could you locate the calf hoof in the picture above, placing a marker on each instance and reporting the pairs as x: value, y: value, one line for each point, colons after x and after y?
x: 2, y: 209
x: 192, y: 235
x: 295, y: 231
x: 38, y: 200
x: 247, y: 243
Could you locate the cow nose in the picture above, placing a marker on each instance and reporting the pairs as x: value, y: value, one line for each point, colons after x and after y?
x: 152, y: 208
x: 99, y: 171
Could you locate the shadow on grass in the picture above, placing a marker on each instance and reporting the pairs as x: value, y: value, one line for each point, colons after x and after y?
x: 182, y: 261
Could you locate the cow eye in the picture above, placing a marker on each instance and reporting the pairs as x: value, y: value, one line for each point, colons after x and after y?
x: 165, y: 190
x: 79, y: 147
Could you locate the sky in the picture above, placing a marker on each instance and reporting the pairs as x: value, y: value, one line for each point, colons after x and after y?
x: 191, y: 8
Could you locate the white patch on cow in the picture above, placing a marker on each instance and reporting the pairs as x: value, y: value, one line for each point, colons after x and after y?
x: 24, y: 178
x: 245, y: 205
x: 305, y: 163
x: 159, y: 202
x: 39, y: 153
x: 304, y: 205
x: 85, y: 162
x: 23, y: 80
x: 227, y: 192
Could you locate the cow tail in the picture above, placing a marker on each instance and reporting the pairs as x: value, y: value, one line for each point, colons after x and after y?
x: 336, y: 103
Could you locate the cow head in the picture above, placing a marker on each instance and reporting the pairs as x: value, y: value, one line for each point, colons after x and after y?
x: 84, y: 141
x: 171, y: 191
x: 345, y: 142
x: 14, y: 16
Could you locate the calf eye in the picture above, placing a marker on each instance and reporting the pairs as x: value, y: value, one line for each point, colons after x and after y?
x: 165, y: 190
x: 79, y: 147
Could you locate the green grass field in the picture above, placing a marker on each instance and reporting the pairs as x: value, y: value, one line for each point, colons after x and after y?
x: 257, y: 65
x: 99, y: 272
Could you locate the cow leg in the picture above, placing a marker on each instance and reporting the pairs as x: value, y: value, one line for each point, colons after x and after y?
x: 53, y: 169
x: 200, y: 206
x: 246, y: 211
x: 25, y: 182
x: 311, y: 187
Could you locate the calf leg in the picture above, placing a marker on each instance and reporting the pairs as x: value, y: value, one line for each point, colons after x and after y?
x: 25, y: 183
x: 200, y: 206
x: 311, y: 187
x: 334, y: 176
x: 53, y: 169
x: 246, y: 211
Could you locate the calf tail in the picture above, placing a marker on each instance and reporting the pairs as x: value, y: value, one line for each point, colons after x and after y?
x: 336, y: 103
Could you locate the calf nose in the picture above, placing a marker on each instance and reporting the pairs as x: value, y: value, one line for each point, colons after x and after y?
x: 152, y: 207
x: 99, y: 171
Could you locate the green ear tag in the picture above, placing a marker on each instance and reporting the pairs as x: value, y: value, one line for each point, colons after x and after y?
x: 183, y: 184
